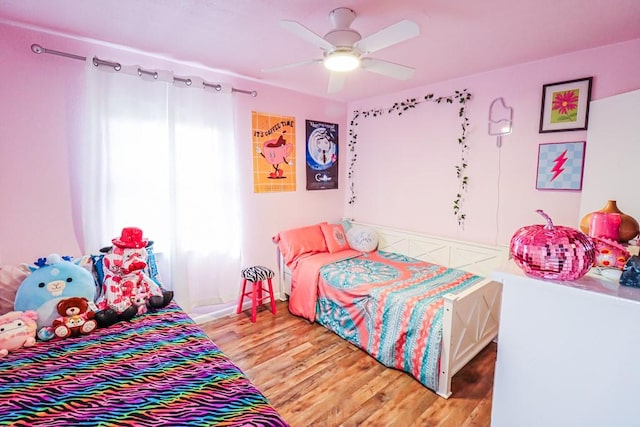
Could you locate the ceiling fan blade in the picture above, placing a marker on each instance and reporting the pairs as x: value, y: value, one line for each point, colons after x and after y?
x: 386, y: 68
x: 396, y: 33
x: 336, y: 82
x: 293, y: 65
x: 306, y: 34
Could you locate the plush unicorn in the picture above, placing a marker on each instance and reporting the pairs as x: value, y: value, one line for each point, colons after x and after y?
x: 51, y: 280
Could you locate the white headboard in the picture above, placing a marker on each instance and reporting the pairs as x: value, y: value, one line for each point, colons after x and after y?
x: 475, y: 258
x: 472, y: 257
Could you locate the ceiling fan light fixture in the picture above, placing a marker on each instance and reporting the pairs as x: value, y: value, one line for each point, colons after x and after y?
x: 341, y: 61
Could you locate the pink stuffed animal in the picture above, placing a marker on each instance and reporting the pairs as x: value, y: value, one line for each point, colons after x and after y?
x: 17, y: 329
x: 126, y: 287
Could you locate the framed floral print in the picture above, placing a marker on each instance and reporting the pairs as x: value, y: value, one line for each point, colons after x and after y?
x: 565, y: 105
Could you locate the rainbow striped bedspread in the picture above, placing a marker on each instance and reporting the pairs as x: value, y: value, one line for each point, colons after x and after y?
x: 391, y: 306
x: 160, y: 369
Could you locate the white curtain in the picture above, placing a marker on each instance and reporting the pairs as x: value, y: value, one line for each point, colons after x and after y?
x: 162, y: 157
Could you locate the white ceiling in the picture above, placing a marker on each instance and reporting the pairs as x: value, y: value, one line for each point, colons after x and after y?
x: 458, y: 37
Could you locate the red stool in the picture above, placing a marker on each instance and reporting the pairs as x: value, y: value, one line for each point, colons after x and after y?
x: 256, y: 275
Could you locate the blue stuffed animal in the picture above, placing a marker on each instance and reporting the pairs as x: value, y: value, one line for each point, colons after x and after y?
x: 51, y: 280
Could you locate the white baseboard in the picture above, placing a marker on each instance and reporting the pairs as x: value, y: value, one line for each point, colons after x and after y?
x: 223, y: 310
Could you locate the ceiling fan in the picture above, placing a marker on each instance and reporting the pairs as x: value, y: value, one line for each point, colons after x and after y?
x: 345, y: 49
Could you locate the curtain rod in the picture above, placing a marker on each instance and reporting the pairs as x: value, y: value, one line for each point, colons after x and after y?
x: 36, y: 48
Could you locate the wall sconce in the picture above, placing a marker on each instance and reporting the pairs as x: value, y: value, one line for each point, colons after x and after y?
x: 500, y: 119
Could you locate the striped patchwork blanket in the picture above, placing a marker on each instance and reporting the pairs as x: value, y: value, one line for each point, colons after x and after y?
x: 391, y: 306
x: 160, y: 369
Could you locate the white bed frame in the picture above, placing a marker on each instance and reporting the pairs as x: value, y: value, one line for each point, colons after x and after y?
x: 471, y: 317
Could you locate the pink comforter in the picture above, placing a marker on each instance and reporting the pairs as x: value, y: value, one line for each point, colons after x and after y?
x: 304, y: 281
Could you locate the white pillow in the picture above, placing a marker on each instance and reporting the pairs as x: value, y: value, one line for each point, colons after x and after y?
x: 11, y: 276
x: 362, y: 239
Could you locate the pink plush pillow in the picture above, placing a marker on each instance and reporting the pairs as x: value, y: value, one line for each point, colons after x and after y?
x: 335, y: 237
x: 299, y: 241
x: 10, y: 278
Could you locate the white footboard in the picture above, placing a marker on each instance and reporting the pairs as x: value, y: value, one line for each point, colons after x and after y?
x: 470, y: 322
x: 471, y: 318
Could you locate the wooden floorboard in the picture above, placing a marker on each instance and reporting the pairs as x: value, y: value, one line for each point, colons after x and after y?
x: 315, y: 378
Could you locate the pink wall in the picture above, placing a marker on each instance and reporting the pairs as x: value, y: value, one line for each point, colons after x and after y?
x: 39, y: 97
x: 41, y: 92
x: 35, y: 218
x: 502, y: 195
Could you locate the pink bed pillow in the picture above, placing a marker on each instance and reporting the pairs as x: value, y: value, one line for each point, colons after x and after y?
x: 335, y: 237
x: 10, y: 278
x: 300, y: 241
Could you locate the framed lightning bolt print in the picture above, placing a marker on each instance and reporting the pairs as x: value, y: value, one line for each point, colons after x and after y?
x: 560, y: 166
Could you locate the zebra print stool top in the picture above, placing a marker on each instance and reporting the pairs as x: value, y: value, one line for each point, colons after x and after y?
x: 257, y: 273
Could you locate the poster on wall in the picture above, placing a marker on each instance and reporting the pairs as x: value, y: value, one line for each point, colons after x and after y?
x: 274, y: 152
x: 560, y: 166
x: 322, y: 155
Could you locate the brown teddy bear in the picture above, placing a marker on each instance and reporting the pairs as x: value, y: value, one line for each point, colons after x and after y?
x: 77, y: 318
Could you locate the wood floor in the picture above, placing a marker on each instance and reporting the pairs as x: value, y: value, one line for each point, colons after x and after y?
x: 315, y: 378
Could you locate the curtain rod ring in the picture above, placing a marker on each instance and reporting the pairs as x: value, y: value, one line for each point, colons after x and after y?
x: 149, y: 73
x: 115, y: 65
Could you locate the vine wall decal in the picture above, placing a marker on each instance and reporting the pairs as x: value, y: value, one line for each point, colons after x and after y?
x: 400, y: 107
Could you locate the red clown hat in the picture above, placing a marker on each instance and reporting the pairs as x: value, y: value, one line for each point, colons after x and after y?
x: 131, y: 237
